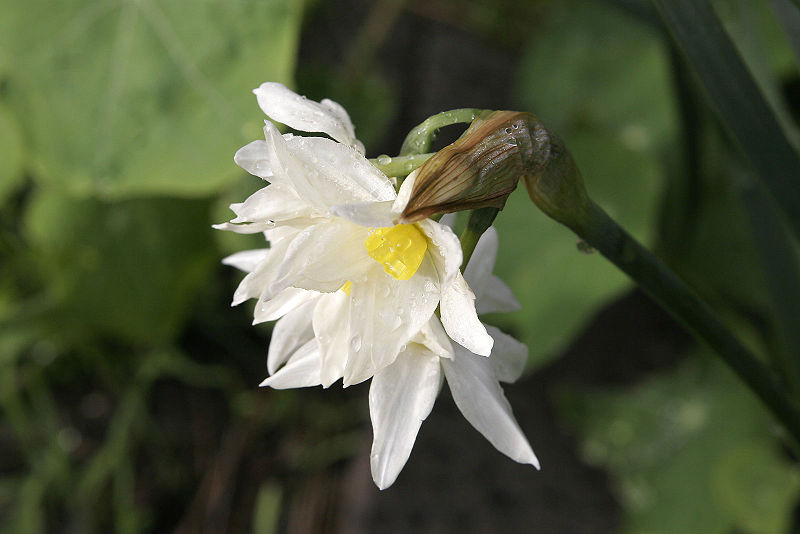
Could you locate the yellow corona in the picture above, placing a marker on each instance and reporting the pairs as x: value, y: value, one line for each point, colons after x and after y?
x: 399, y: 249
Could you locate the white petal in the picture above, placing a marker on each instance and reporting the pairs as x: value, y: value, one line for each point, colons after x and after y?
x: 481, y: 263
x: 460, y: 319
x: 275, y: 202
x: 325, y: 173
x: 301, y: 371
x: 257, y: 282
x: 404, y: 194
x: 508, y: 357
x: 279, y: 233
x: 290, y: 333
x: 247, y: 228
x: 288, y: 170
x: 247, y: 260
x: 480, y: 398
x: 285, y: 106
x: 332, y: 330
x: 338, y: 110
x: 341, y: 174
x: 444, y: 249
x: 370, y: 214
x: 281, y: 304
x: 434, y: 338
x: 385, y: 315
x: 400, y: 398
x: 449, y: 219
x: 254, y: 158
x: 496, y: 297
x: 324, y: 257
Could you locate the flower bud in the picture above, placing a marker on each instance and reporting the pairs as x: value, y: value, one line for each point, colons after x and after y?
x: 483, y: 166
x: 480, y: 169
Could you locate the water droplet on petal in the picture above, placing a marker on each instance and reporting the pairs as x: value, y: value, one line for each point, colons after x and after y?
x: 383, y: 159
x: 355, y: 343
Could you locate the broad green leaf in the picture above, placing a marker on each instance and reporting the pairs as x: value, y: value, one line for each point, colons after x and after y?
x: 689, y: 451
x: 612, y: 107
x: 129, y: 268
x: 147, y: 97
x: 10, y: 153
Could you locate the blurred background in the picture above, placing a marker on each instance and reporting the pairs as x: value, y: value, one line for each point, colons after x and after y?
x: 128, y: 386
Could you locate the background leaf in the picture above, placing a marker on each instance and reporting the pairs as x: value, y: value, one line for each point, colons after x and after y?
x: 614, y: 114
x: 123, y: 98
x: 690, y: 451
x: 735, y: 95
x: 10, y: 154
x: 127, y: 269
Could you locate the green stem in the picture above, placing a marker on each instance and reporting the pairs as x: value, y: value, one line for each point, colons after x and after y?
x: 605, y: 235
x: 420, y: 139
x: 399, y: 165
x: 781, y: 269
x: 479, y: 221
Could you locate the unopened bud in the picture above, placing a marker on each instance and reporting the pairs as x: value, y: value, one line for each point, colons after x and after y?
x: 480, y: 169
x: 483, y: 166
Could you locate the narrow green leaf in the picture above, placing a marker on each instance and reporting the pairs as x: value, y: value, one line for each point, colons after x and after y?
x: 789, y: 17
x: 781, y: 267
x: 736, y: 97
x: 267, y: 509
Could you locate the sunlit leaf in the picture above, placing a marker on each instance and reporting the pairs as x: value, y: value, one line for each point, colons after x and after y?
x: 121, y: 98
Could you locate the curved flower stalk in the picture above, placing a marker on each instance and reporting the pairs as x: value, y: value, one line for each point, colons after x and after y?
x: 402, y: 394
x: 351, y: 288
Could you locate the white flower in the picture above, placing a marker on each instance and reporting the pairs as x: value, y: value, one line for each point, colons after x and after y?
x: 402, y: 394
x: 350, y: 287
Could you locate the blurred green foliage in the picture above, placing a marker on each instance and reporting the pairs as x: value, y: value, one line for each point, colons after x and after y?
x: 118, y: 122
x: 684, y: 462
x: 614, y: 109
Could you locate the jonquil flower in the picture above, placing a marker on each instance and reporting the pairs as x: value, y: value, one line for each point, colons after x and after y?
x: 402, y: 394
x: 351, y: 287
x: 355, y: 293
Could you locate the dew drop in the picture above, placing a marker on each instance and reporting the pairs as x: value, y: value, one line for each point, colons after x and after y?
x: 383, y: 159
x: 355, y: 343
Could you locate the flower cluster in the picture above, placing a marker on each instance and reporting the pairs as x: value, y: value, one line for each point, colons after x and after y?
x: 355, y: 295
